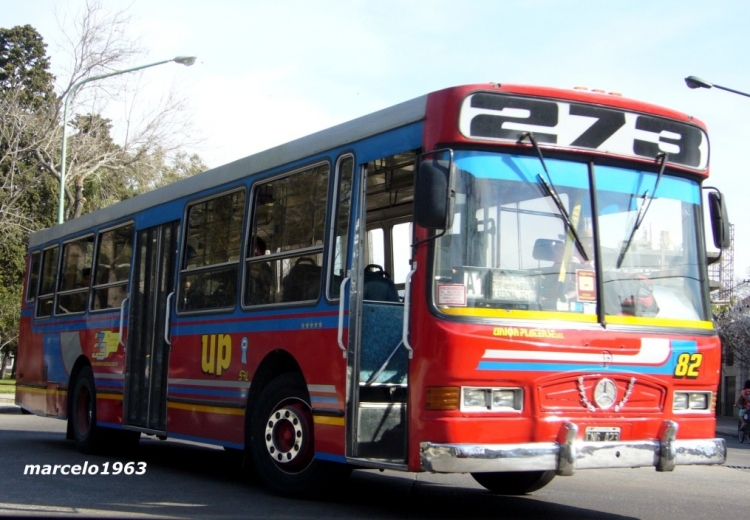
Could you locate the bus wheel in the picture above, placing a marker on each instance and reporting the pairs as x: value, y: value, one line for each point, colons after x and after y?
x: 282, y: 444
x: 83, y: 412
x: 514, y: 482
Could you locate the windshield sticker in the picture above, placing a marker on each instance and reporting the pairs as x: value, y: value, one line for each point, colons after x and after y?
x: 498, y: 117
x: 474, y: 282
x: 586, y: 285
x: 451, y: 294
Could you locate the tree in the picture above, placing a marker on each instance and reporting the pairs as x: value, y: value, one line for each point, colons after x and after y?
x: 99, y: 45
x: 26, y: 95
x: 24, y: 66
x: 100, y: 169
x: 733, y: 326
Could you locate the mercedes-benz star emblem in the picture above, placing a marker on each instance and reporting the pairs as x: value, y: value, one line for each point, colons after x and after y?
x: 605, y: 393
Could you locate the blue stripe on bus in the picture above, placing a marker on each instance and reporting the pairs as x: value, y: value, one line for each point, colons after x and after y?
x: 573, y: 367
x: 207, y: 391
x: 316, y: 399
x: 238, y: 322
x: 270, y: 325
x: 330, y: 457
x: 678, y: 347
x: 109, y: 382
x: 53, y: 358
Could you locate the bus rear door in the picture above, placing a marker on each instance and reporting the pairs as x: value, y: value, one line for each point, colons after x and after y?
x: 148, y: 342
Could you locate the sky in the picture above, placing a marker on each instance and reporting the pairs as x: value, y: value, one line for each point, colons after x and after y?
x: 271, y: 71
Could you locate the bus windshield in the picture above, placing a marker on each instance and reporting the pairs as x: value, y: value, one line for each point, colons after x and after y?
x: 511, y: 248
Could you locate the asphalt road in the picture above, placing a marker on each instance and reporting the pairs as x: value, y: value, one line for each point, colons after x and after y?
x: 182, y: 480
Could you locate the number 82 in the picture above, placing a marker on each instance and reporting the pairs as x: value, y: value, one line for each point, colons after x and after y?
x: 688, y: 365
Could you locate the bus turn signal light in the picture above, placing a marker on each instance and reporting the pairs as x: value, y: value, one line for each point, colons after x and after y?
x: 443, y: 398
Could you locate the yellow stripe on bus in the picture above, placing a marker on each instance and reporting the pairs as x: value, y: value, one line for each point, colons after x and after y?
x: 206, y: 409
x: 324, y: 419
x: 116, y: 397
x: 660, y: 322
x: 51, y: 391
x: 576, y: 317
x: 519, y: 314
x: 37, y: 390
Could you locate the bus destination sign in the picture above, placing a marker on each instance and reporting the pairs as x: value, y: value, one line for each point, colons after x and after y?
x: 499, y: 117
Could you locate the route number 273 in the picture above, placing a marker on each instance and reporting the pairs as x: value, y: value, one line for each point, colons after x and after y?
x: 688, y: 365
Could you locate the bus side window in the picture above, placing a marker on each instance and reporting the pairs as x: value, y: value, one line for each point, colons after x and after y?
x: 75, y: 275
x: 33, y: 283
x: 289, y: 220
x: 208, y: 278
x: 339, y: 246
x: 112, y: 267
x: 46, y: 296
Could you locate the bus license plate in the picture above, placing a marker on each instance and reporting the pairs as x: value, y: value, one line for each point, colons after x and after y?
x: 602, y: 434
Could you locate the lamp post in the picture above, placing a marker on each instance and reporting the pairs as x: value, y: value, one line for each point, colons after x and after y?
x: 696, y: 82
x: 182, y: 60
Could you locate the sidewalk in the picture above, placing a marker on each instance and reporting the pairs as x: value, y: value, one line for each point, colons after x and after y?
x: 726, y: 426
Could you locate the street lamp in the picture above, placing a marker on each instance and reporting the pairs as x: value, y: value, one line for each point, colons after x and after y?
x: 182, y: 60
x: 696, y: 82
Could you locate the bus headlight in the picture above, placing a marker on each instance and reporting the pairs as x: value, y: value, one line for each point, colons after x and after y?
x: 687, y: 401
x: 491, y: 399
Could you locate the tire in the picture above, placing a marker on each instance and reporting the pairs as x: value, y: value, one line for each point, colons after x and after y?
x: 741, y: 433
x: 282, y: 445
x: 515, y: 482
x: 82, y: 414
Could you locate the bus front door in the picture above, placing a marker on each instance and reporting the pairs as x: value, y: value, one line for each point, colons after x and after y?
x: 378, y: 360
x: 148, y: 342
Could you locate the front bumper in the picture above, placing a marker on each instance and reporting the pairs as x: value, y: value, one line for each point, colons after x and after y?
x: 569, y: 454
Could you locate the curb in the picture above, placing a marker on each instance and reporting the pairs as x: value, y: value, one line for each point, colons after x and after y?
x: 8, y: 404
x: 9, y: 409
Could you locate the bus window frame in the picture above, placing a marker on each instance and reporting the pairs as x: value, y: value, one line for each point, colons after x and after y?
x: 76, y: 290
x: 250, y: 234
x: 33, y: 279
x: 53, y: 294
x: 182, y: 271
x: 333, y: 224
x: 95, y: 266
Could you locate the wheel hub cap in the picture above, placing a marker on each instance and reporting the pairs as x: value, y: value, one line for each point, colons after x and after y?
x: 285, y: 435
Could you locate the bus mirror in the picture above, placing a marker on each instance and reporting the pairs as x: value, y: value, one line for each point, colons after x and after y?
x: 434, y: 193
x: 547, y: 249
x: 719, y: 220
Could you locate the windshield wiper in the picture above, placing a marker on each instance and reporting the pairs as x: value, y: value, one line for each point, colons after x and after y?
x: 644, y: 208
x: 549, y: 190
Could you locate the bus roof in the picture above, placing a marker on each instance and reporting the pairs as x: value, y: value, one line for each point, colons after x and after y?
x: 337, y: 136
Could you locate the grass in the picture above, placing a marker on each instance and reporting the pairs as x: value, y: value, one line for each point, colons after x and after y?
x: 7, y: 386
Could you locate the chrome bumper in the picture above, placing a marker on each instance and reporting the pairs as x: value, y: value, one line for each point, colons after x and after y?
x: 569, y: 454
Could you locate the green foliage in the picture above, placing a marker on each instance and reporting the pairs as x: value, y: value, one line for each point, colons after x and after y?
x: 10, y: 315
x: 180, y: 167
x: 99, y: 170
x: 26, y: 87
x: 24, y: 65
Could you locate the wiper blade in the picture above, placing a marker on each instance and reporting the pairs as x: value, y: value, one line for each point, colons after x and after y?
x: 550, y: 191
x: 643, y: 209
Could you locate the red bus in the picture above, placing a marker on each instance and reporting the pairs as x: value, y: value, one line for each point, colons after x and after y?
x: 501, y: 280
